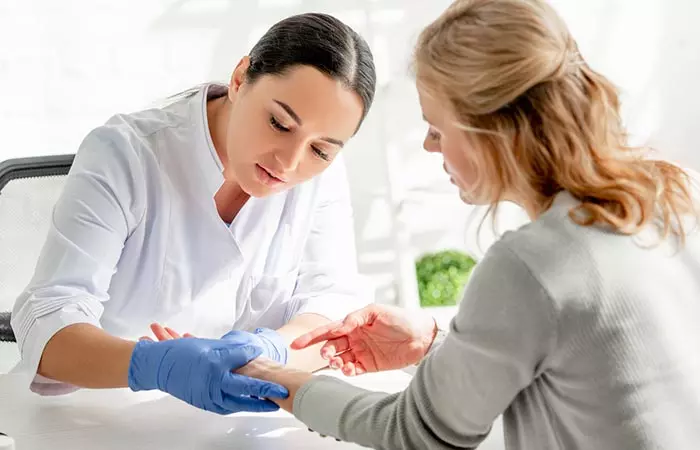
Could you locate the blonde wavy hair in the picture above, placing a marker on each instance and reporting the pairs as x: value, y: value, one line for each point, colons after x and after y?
x: 542, y: 120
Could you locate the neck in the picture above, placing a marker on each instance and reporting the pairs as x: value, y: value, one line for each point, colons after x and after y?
x: 230, y: 198
x: 218, y: 113
x: 531, y: 208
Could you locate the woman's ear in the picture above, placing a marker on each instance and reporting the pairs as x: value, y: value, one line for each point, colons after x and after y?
x: 238, y: 77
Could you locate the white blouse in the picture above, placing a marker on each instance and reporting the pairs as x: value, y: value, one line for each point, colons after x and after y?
x: 136, y: 237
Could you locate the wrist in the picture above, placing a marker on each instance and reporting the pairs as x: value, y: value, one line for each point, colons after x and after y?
x: 431, y: 339
x: 438, y: 338
x: 430, y: 335
x: 267, y: 370
x: 140, y: 375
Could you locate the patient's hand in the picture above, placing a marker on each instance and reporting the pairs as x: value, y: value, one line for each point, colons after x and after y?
x: 164, y: 333
x: 373, y: 339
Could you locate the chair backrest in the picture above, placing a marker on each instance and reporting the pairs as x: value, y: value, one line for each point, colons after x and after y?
x: 29, y: 188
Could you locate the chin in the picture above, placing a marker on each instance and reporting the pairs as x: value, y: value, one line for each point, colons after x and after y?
x: 259, y: 190
x: 473, y: 198
x: 466, y: 197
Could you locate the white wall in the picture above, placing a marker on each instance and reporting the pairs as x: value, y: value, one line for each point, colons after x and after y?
x: 66, y: 66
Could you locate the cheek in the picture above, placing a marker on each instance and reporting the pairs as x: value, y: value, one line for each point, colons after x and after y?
x: 461, y: 165
x: 246, y: 138
x: 310, y: 167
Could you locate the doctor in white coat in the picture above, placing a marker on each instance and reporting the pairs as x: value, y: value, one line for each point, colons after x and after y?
x: 226, y: 209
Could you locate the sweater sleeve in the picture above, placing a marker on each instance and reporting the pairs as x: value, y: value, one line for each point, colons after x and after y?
x: 496, y: 346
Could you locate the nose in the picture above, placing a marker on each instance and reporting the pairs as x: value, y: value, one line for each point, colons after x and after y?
x: 290, y: 158
x: 430, y: 145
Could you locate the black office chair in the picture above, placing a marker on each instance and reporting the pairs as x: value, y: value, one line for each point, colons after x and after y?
x: 29, y: 188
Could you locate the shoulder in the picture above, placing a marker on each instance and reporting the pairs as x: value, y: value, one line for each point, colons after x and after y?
x: 136, y: 132
x: 115, y: 158
x: 130, y: 140
x: 109, y: 150
x: 572, y: 262
x: 503, y: 266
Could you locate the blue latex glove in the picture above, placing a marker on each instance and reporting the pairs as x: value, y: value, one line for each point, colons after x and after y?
x: 271, y: 342
x: 275, y: 348
x: 198, y: 371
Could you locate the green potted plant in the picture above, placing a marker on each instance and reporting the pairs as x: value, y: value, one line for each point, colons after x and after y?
x: 442, y: 276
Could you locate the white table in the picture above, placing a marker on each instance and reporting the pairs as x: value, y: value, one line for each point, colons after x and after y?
x: 120, y: 419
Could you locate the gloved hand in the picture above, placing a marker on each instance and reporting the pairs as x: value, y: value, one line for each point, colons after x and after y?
x: 198, y: 371
x: 274, y: 345
x: 271, y: 342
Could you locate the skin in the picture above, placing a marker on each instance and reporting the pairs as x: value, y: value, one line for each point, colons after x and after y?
x: 270, y: 136
x: 293, y: 126
x: 445, y: 138
x: 458, y: 151
x: 373, y: 339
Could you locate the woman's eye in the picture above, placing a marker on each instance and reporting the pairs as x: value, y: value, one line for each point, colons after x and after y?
x: 434, y: 135
x: 277, y: 125
x: 320, y: 153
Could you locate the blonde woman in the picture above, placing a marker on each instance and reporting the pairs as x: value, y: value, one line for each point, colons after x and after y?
x: 581, y: 328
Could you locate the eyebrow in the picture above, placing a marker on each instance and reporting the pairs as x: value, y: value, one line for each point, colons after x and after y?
x: 288, y: 109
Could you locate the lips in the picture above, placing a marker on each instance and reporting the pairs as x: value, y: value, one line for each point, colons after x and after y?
x: 444, y: 167
x: 447, y: 171
x: 268, y: 177
x: 273, y: 174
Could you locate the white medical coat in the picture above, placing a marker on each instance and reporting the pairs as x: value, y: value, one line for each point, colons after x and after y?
x: 136, y: 237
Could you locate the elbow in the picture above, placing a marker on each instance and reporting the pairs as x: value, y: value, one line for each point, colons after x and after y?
x: 39, y: 314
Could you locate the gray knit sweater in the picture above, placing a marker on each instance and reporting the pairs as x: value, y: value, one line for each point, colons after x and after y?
x: 581, y: 338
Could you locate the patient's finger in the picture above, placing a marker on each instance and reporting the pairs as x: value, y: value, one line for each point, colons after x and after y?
x: 353, y: 369
x: 351, y: 322
x: 335, y: 346
x: 338, y: 362
x: 145, y: 338
x: 359, y: 368
x: 349, y: 369
x: 160, y: 332
x: 174, y: 334
x: 319, y: 334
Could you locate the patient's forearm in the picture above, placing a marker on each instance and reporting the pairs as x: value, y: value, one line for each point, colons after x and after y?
x: 308, y: 359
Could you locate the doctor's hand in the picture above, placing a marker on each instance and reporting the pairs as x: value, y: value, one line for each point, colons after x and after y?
x: 199, y: 372
x: 373, y: 339
x: 272, y: 343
